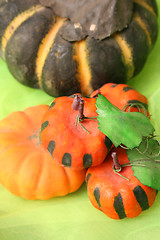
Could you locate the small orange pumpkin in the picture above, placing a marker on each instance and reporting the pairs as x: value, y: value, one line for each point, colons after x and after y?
x: 26, y: 169
x: 113, y: 194
x: 124, y: 97
x: 69, y: 143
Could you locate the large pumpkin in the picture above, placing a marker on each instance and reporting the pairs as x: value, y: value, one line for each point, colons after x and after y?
x: 26, y: 169
x: 39, y: 51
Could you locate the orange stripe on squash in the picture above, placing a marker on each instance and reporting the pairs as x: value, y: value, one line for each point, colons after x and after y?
x: 45, y: 46
x: 126, y: 54
x: 15, y: 23
x: 84, y: 73
x: 143, y: 26
x: 145, y: 5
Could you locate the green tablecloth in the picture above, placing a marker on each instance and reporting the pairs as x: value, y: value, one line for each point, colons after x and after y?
x: 73, y: 217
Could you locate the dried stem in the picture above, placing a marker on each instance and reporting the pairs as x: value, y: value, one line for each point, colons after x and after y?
x: 116, y: 166
x: 78, y: 105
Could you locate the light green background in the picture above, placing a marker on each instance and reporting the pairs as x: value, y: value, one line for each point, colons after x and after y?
x: 73, y: 217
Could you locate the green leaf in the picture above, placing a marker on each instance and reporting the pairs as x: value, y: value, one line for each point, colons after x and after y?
x: 145, y: 162
x: 127, y: 128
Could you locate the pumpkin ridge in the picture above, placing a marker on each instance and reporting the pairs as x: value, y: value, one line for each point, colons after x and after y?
x: 36, y: 183
x: 40, y: 175
x: 15, y: 23
x: 13, y: 146
x: 10, y: 123
x: 35, y: 112
x: 7, y: 183
x: 7, y: 133
x: 8, y: 148
x: 67, y: 179
x: 31, y: 123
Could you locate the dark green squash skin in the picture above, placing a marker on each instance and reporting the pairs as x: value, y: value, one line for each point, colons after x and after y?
x: 19, y: 59
x: 60, y: 71
x: 9, y: 10
x: 63, y: 74
x: 152, y: 4
x: 105, y: 51
x: 140, y: 44
x: 101, y: 56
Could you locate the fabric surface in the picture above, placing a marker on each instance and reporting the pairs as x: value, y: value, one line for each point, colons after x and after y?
x: 73, y: 217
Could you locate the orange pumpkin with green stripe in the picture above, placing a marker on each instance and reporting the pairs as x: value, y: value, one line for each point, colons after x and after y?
x: 75, y: 145
x: 38, y: 56
x: 124, y: 97
x: 118, y: 196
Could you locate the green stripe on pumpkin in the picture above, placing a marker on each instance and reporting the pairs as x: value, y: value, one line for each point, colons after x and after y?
x: 141, y: 197
x: 97, y: 196
x: 119, y: 207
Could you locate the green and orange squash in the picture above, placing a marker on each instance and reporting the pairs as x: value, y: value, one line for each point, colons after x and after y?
x: 37, y: 54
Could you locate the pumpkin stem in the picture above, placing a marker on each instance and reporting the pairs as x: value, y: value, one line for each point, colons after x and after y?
x: 116, y: 166
x: 78, y: 105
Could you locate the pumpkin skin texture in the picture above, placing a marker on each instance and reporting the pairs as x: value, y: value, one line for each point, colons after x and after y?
x: 38, y: 56
x: 122, y: 95
x: 71, y: 145
x: 26, y: 169
x: 115, y: 196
